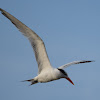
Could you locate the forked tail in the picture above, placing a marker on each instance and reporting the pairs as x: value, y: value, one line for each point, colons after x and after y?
x: 32, y: 81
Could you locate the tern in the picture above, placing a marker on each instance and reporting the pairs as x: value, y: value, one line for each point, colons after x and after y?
x: 46, y: 72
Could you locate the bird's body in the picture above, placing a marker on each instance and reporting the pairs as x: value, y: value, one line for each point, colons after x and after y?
x: 46, y: 72
x: 48, y: 75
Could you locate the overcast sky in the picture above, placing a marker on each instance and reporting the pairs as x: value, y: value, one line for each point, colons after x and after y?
x: 70, y: 30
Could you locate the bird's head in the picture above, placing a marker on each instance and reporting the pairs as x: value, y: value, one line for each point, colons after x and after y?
x: 65, y: 75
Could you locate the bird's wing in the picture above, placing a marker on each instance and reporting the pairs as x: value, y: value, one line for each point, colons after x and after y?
x: 74, y: 62
x: 36, y: 42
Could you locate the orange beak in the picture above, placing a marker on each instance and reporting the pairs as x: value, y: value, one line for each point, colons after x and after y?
x: 69, y: 80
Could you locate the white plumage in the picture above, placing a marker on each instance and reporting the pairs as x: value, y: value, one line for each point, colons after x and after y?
x: 46, y: 72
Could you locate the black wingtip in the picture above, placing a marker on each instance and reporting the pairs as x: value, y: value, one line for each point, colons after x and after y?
x: 87, y: 61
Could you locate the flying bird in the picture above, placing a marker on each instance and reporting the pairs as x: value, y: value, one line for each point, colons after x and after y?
x: 46, y: 72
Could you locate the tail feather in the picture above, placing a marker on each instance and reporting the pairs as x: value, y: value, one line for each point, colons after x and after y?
x: 32, y: 81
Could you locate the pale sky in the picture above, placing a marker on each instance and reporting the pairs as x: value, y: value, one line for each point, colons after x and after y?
x: 70, y: 30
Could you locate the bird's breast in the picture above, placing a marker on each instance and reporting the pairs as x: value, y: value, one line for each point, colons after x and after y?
x: 48, y: 75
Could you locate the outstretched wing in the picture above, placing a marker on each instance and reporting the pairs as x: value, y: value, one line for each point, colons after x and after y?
x: 36, y: 42
x: 75, y: 62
